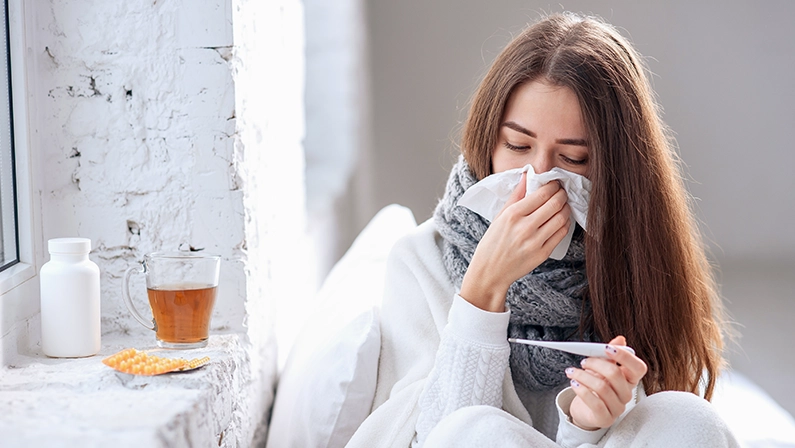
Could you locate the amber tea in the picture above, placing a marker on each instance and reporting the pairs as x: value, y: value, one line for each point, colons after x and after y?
x: 181, y: 287
x: 182, y: 313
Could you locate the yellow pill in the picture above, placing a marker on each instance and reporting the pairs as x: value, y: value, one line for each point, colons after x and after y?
x: 140, y: 363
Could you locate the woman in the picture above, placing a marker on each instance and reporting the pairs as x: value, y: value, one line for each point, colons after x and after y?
x: 568, y: 93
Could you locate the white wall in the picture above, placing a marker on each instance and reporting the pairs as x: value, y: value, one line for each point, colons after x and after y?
x: 172, y: 125
x: 337, y: 145
x: 268, y: 66
x: 135, y: 119
x: 722, y: 70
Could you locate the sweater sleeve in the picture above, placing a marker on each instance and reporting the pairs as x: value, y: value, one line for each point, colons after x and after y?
x: 469, y: 368
x: 569, y: 435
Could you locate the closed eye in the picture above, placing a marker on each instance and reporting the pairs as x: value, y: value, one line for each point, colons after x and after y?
x: 573, y: 161
x: 516, y: 148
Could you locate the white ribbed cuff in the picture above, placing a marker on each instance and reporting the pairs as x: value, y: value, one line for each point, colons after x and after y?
x: 569, y: 434
x: 477, y: 325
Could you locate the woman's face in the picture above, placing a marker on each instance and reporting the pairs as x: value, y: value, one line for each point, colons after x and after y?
x: 542, y: 126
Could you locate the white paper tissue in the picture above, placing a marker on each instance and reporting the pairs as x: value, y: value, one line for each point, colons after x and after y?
x: 488, y: 197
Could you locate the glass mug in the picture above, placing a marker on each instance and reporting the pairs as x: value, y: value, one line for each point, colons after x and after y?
x: 181, y: 287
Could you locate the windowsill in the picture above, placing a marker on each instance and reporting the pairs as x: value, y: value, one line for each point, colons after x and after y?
x: 81, y: 402
x: 15, y: 276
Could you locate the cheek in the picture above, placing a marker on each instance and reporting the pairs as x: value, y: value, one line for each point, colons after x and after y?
x: 582, y: 171
x: 503, y: 159
x: 497, y: 160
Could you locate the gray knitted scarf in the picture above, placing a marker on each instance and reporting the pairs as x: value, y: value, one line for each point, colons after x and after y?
x: 545, y: 304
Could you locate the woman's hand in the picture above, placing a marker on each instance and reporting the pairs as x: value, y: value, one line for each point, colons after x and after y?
x: 604, y: 386
x: 519, y: 239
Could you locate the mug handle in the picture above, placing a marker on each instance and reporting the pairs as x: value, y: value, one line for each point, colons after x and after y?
x: 125, y: 293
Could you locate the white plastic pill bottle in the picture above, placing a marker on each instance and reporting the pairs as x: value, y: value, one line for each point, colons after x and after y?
x: 70, y: 313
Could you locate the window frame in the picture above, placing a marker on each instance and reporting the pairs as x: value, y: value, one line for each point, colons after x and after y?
x: 24, y: 271
x: 13, y: 184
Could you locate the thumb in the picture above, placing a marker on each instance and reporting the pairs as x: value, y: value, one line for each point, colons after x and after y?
x: 618, y: 340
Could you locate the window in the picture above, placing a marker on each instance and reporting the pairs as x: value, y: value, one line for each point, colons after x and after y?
x: 9, y: 242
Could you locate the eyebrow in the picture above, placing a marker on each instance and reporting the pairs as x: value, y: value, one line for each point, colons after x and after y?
x: 560, y: 141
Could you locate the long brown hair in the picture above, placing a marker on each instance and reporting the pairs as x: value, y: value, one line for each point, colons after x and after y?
x: 649, y: 278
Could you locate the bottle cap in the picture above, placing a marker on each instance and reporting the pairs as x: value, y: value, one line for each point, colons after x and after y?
x: 69, y: 246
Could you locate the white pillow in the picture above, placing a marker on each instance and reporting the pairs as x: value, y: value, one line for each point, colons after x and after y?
x: 327, y: 387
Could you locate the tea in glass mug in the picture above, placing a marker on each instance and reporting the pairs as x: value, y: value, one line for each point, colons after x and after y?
x: 181, y: 287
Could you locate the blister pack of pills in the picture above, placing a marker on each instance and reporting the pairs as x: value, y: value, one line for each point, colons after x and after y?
x: 140, y: 363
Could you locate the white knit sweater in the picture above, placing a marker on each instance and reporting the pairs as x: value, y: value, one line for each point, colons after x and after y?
x: 471, y: 363
x: 440, y: 353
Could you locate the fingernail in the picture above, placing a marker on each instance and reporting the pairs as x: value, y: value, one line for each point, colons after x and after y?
x: 611, y: 349
x: 574, y: 383
x: 582, y: 363
x: 569, y: 370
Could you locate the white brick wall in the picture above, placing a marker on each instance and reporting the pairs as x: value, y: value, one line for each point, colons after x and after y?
x: 135, y: 116
x: 268, y: 68
x: 159, y: 125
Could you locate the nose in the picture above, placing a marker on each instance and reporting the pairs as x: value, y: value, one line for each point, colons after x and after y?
x: 542, y: 160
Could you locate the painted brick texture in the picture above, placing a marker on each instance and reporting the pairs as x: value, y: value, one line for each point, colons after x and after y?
x: 165, y: 125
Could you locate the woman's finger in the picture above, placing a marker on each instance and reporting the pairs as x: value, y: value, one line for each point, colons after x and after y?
x: 552, y: 206
x: 597, y: 415
x: 549, y: 245
x: 600, y: 386
x: 612, y: 373
x: 547, y: 219
x: 634, y: 368
x: 555, y: 221
x: 533, y: 201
